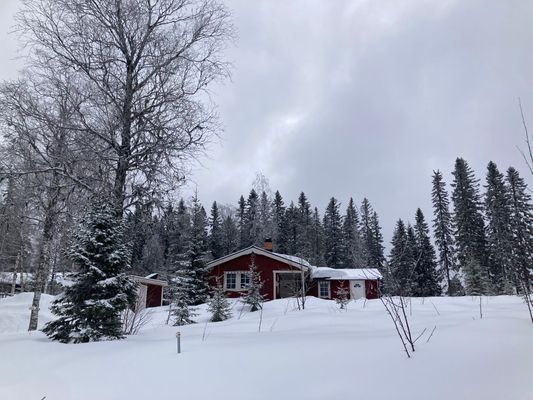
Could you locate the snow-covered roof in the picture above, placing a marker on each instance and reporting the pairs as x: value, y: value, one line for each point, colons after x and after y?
x: 345, y: 273
x: 294, y: 261
x: 149, y: 281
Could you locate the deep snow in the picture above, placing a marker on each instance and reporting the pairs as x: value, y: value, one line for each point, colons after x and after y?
x: 319, y: 353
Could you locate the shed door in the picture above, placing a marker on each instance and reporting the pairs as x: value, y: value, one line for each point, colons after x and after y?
x: 357, y: 289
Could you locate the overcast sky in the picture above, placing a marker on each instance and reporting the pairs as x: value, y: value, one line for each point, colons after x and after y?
x: 363, y: 98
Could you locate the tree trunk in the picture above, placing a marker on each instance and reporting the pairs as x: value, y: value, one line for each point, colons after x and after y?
x: 125, y: 145
x: 15, y: 271
x: 44, y: 254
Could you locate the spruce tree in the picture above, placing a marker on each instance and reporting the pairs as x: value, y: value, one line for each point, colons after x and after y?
x: 303, y: 227
x: 196, y: 270
x: 401, y: 261
x: 241, y: 216
x: 180, y: 303
x: 427, y: 282
x: 352, y: 256
x: 522, y: 231
x: 342, y: 296
x: 252, y: 223
x: 230, y: 236
x: 218, y: 305
x: 89, y: 310
x: 180, y: 238
x: 266, y: 229
x: 317, y: 240
x: 470, y: 229
x: 499, y: 233
x: 377, y: 257
x: 443, y: 230
x: 290, y: 232
x: 332, y: 234
x: 278, y: 217
x: 215, y: 237
x: 367, y: 235
x: 252, y: 296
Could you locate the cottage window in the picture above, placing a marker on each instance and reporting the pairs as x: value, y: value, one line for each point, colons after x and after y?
x: 231, y: 280
x: 245, y: 280
x: 324, y: 289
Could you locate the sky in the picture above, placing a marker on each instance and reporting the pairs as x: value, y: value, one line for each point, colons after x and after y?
x: 361, y: 98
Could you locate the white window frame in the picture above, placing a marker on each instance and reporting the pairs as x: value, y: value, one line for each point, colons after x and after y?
x: 242, y: 277
x: 328, y: 285
x: 238, y: 281
x: 226, y: 280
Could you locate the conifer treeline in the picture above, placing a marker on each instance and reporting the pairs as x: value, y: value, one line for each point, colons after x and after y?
x: 483, y: 242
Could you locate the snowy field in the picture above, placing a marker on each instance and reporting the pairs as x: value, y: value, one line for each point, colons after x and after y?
x: 319, y: 353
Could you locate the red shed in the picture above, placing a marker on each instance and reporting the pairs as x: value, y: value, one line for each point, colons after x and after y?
x: 282, y: 275
x: 361, y: 282
x: 150, y: 288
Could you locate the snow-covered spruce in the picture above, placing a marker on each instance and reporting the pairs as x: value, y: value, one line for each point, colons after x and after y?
x: 252, y: 296
x: 180, y: 307
x: 219, y: 306
x: 89, y: 310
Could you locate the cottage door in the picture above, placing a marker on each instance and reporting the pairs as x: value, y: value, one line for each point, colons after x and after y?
x: 357, y: 289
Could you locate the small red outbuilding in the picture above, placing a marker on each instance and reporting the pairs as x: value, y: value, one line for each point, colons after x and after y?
x: 150, y: 290
x: 360, y: 282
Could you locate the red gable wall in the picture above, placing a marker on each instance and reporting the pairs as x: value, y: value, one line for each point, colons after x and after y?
x: 153, y: 295
x: 265, y: 265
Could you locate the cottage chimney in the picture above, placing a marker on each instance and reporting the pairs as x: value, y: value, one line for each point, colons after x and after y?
x: 268, y: 244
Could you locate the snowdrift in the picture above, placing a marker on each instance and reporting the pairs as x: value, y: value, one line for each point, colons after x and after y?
x: 283, y: 353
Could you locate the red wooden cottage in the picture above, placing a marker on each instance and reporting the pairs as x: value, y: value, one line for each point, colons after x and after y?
x: 288, y: 276
x: 282, y: 275
x: 150, y: 290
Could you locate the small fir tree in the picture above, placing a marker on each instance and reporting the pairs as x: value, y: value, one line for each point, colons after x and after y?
x: 89, y: 310
x: 253, y: 296
x: 219, y: 306
x: 182, y: 310
x: 343, y: 296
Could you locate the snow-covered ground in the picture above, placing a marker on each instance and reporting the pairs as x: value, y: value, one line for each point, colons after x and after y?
x: 319, y: 353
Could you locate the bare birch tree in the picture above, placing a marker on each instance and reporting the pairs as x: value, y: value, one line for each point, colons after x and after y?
x: 144, y: 67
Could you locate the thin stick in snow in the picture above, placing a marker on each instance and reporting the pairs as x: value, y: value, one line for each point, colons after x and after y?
x: 435, y: 307
x: 419, y: 336
x: 427, y: 341
x: 480, y: 308
x: 287, y: 307
x: 260, y: 318
x: 273, y: 324
x: 205, y: 329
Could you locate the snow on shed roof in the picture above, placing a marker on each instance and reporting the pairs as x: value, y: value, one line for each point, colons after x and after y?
x: 345, y: 273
